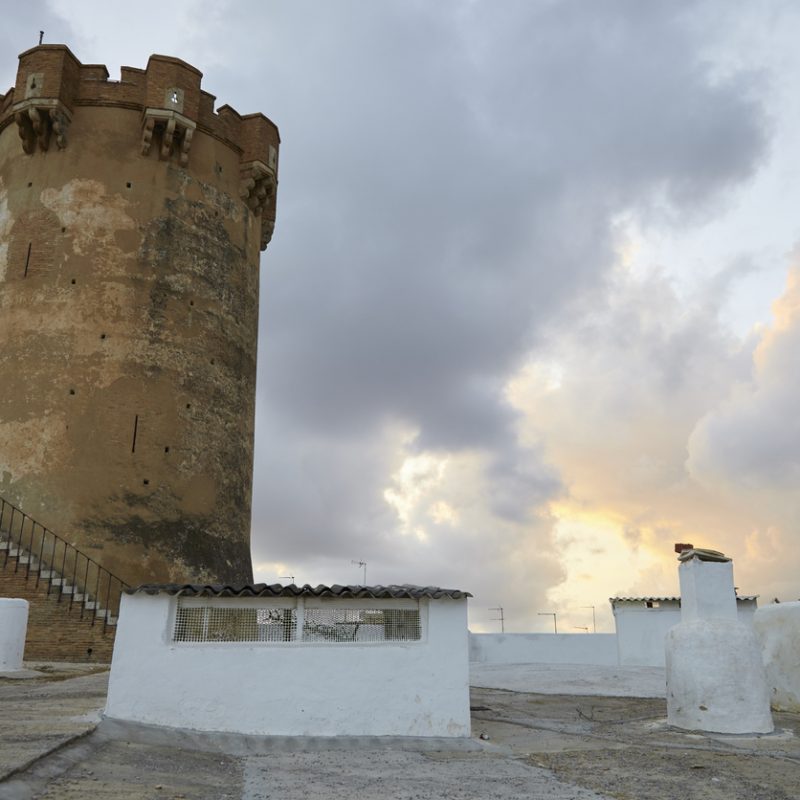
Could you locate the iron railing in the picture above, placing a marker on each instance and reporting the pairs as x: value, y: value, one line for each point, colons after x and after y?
x: 69, y: 574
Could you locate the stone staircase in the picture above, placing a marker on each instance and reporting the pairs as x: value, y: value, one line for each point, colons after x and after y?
x: 74, y: 601
x: 53, y: 580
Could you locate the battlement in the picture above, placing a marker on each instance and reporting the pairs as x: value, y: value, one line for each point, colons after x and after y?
x: 52, y: 83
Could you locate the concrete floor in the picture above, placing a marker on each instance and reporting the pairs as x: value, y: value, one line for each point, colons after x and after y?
x: 575, y: 679
x: 542, y: 743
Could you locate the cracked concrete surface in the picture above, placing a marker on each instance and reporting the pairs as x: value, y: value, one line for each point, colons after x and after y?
x: 558, y: 746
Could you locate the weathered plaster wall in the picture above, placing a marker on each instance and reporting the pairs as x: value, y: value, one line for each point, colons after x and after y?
x: 13, y: 625
x: 543, y: 648
x: 128, y: 324
x: 778, y: 629
x: 715, y: 678
x: 292, y: 689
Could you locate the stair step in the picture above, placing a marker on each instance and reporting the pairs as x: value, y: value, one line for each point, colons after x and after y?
x: 47, y: 573
x: 31, y: 560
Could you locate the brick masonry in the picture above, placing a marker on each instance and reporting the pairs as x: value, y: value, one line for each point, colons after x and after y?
x: 55, y: 632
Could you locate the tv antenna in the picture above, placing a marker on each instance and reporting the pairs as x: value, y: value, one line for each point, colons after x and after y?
x: 500, y: 619
x: 286, y: 577
x: 549, y: 614
x: 41, y: 36
x: 361, y: 564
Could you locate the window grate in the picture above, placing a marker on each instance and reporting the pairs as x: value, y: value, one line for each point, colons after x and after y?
x: 215, y: 623
x: 361, y: 625
x: 218, y: 624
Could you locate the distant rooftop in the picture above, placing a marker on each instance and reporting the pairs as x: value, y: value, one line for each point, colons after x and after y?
x: 405, y: 590
x: 667, y: 599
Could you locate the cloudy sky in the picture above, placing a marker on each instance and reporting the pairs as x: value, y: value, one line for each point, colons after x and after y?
x: 531, y: 313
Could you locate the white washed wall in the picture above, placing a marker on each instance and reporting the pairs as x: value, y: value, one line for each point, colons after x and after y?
x: 543, y: 648
x: 642, y: 631
x: 292, y: 689
x: 13, y: 627
x: 778, y: 629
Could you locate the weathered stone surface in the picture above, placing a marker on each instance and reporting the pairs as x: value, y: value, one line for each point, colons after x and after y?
x: 129, y: 315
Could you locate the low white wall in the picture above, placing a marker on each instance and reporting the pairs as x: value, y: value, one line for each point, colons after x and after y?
x: 13, y: 627
x: 642, y: 631
x: 292, y: 688
x: 543, y: 648
x: 778, y: 629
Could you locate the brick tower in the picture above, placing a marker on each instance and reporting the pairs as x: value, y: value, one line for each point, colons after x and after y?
x: 132, y: 216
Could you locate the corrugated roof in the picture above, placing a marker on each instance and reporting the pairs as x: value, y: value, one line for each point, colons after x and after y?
x: 405, y: 590
x: 667, y: 599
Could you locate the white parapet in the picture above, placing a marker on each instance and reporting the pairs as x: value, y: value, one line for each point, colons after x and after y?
x: 778, y: 629
x: 289, y: 668
x: 715, y: 677
x: 13, y: 627
x: 596, y: 649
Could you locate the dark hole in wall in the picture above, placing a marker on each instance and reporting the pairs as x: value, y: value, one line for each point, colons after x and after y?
x: 72, y: 391
x: 146, y: 481
x: 73, y: 281
x: 166, y: 449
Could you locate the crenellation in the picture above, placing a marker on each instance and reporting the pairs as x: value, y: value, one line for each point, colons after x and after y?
x: 259, y: 140
x: 174, y: 85
x: 133, y: 75
x: 94, y: 72
x: 52, y: 82
x: 206, y: 116
x: 48, y: 72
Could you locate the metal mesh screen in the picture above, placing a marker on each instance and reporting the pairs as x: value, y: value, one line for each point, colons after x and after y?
x: 219, y: 624
x: 361, y: 625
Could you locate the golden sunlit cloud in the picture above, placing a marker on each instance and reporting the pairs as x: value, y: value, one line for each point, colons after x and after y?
x: 413, y: 483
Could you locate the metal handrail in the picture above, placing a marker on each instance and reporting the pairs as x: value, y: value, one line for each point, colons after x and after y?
x: 75, y: 573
